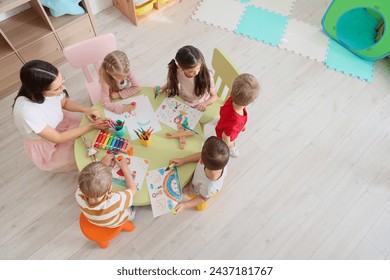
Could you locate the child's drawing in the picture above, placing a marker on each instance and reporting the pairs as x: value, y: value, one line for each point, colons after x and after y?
x: 138, y: 168
x: 142, y: 116
x: 164, y: 190
x: 171, y: 112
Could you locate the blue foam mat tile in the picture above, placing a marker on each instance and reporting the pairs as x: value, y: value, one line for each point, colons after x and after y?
x: 342, y: 60
x: 255, y: 23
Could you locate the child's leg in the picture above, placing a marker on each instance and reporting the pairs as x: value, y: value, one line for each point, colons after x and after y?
x: 131, y: 211
x: 189, y: 189
x: 233, y: 150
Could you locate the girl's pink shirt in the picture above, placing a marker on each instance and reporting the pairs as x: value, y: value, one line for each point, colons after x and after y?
x: 124, y: 93
x: 187, y: 86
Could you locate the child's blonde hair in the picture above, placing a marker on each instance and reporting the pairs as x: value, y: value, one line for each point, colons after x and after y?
x: 95, y: 179
x: 115, y: 63
x: 245, y: 89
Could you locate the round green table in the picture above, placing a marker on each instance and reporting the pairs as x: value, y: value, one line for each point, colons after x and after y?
x: 159, y: 153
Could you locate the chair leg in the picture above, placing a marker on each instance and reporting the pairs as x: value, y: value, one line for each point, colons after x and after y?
x: 201, y: 207
x: 103, y: 244
x: 128, y: 226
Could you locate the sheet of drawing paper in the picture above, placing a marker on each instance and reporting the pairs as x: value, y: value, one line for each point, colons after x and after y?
x: 164, y: 190
x: 171, y: 112
x: 142, y: 116
x: 138, y: 168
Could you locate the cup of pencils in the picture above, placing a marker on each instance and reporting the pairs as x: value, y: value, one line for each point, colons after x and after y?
x: 145, y: 136
x: 119, y: 128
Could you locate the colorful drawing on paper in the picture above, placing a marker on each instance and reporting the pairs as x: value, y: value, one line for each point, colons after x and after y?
x: 164, y: 190
x: 138, y: 168
x: 171, y: 112
x: 142, y: 116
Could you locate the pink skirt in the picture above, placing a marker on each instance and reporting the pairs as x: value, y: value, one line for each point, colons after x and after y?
x: 50, y: 156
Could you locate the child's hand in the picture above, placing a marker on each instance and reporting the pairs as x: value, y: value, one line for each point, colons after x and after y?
x: 179, y: 208
x: 129, y: 107
x: 115, y: 95
x: 201, y: 107
x: 107, y: 159
x: 161, y: 89
x: 177, y: 161
x: 121, y: 161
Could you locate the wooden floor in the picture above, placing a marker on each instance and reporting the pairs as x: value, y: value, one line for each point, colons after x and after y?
x: 312, y: 180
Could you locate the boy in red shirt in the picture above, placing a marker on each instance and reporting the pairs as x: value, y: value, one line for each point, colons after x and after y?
x: 233, y: 115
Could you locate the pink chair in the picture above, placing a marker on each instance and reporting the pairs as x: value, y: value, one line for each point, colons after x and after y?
x: 91, y: 52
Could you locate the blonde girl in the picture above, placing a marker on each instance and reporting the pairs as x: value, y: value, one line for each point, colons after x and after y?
x: 117, y: 81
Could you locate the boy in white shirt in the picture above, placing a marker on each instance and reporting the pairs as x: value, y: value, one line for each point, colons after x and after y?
x: 209, y: 174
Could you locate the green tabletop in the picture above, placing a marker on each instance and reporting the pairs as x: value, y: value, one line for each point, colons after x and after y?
x: 159, y: 153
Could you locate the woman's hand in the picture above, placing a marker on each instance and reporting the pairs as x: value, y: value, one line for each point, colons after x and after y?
x: 92, y: 114
x: 100, y: 123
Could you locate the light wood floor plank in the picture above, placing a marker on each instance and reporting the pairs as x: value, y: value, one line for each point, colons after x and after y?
x: 311, y: 181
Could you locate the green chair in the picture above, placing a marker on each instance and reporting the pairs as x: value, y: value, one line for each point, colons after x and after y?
x: 224, y: 72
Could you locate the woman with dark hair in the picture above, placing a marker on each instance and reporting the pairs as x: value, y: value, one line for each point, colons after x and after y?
x: 190, y: 79
x: 43, y: 114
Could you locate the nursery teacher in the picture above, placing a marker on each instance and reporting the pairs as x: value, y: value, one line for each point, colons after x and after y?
x: 44, y: 115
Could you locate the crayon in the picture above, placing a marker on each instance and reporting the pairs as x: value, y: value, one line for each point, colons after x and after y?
x: 156, y: 92
x: 171, y: 165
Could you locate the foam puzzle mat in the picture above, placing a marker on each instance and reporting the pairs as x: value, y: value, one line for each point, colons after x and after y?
x: 271, y: 22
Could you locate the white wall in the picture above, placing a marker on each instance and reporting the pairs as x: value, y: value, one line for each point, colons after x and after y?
x: 99, y: 5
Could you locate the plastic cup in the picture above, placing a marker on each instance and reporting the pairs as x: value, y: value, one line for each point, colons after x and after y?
x: 146, y: 143
x: 120, y: 131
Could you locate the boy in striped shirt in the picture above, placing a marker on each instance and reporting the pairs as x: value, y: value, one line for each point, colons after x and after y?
x: 99, y: 203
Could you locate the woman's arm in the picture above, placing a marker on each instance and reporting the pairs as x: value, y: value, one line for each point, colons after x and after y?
x: 53, y: 135
x: 72, y: 106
